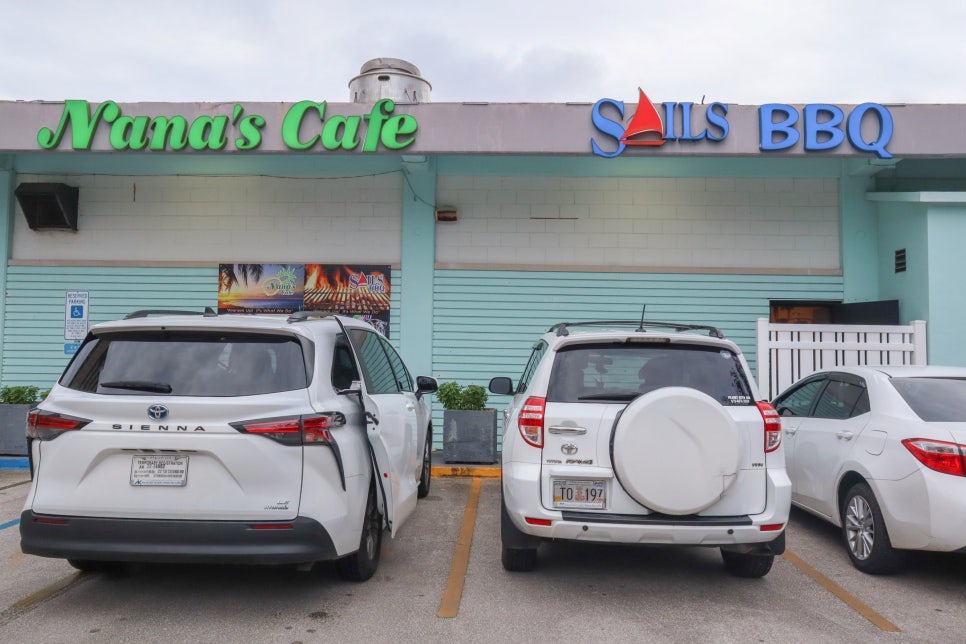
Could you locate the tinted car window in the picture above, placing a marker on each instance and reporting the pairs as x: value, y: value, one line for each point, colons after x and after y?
x: 934, y: 399
x: 194, y: 363
x: 622, y: 371
x: 839, y: 400
x: 535, y: 358
x: 403, y: 378
x: 376, y: 369
x: 344, y: 370
x: 798, y: 402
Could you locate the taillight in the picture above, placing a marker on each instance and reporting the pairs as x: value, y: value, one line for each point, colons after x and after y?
x: 938, y: 455
x: 47, y: 425
x: 294, y: 430
x: 530, y: 420
x: 773, y: 425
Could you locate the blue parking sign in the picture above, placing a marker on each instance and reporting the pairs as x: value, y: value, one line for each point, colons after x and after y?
x: 77, y: 311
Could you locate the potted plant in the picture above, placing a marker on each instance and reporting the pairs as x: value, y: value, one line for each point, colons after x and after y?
x: 15, y: 402
x: 469, y: 428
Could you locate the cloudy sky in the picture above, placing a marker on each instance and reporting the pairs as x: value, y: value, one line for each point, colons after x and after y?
x: 739, y: 51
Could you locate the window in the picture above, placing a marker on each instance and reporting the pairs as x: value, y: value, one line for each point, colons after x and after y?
x: 841, y: 400
x: 799, y: 401
x: 403, y: 378
x: 940, y: 400
x: 188, y: 363
x: 622, y: 371
x: 344, y: 371
x: 376, y: 369
x: 538, y: 350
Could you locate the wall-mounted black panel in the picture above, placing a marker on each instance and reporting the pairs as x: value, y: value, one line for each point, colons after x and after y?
x: 48, y: 206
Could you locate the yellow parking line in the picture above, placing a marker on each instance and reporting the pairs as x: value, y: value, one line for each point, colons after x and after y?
x: 49, y: 592
x: 449, y: 605
x: 850, y: 600
x: 466, y: 471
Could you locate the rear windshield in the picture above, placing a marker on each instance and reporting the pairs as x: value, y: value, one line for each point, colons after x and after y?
x: 194, y: 363
x: 622, y: 371
x: 936, y: 400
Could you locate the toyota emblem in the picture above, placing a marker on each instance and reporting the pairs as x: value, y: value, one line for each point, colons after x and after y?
x: 569, y: 449
x: 157, y: 412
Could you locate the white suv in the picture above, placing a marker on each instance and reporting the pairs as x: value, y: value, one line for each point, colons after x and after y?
x: 637, y: 435
x: 227, y: 439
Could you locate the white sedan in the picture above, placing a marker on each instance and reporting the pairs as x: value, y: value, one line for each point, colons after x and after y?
x: 880, y: 452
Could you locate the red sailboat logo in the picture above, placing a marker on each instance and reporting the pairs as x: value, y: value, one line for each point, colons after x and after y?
x: 645, y: 124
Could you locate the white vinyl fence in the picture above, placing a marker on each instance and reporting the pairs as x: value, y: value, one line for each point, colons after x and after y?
x: 787, y: 352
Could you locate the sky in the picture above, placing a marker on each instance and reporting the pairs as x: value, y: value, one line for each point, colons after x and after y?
x: 543, y: 51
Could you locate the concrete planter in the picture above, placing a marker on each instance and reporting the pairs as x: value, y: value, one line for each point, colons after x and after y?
x: 13, y: 430
x: 469, y: 436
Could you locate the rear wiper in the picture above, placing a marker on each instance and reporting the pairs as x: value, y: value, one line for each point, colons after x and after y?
x: 610, y: 396
x: 139, y: 385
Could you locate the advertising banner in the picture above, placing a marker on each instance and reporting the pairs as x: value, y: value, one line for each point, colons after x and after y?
x: 358, y: 290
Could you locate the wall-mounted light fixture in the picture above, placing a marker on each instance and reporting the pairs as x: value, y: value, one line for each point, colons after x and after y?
x: 48, y: 206
x: 447, y: 213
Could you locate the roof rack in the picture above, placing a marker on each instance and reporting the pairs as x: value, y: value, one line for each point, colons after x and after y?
x: 301, y: 316
x: 562, y: 328
x: 143, y: 313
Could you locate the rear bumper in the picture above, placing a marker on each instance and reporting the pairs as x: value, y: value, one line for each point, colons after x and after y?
x: 301, y: 540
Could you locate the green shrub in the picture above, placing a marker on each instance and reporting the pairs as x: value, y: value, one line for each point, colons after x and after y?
x: 456, y: 398
x: 20, y: 395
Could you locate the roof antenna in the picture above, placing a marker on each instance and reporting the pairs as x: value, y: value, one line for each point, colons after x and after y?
x: 641, y: 328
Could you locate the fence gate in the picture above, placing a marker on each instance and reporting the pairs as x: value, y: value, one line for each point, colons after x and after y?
x: 787, y: 352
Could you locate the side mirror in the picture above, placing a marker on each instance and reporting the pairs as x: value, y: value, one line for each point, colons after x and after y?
x: 426, y: 385
x: 501, y: 385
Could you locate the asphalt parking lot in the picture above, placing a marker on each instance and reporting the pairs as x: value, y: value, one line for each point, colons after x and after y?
x: 441, y: 580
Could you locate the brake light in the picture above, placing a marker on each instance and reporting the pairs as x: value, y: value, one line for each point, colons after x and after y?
x: 47, y: 425
x: 294, y: 430
x: 773, y: 425
x: 530, y: 420
x: 938, y: 455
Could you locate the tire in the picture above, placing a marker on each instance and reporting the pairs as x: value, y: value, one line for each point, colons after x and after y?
x: 426, y: 474
x: 90, y: 565
x: 747, y: 565
x: 519, y: 559
x: 362, y: 564
x: 519, y: 550
x: 675, y: 450
x: 865, y: 535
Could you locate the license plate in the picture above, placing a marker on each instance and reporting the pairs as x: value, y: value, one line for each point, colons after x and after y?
x: 159, y: 469
x: 577, y: 493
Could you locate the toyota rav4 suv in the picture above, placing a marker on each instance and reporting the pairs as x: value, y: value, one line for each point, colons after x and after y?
x: 642, y: 433
x: 227, y: 439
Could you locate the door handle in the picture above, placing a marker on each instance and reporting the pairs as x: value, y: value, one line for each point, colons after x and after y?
x: 372, y: 418
x: 570, y: 431
x: 791, y: 431
x: 844, y: 435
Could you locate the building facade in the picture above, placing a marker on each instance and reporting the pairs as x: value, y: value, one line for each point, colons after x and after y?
x: 496, y: 220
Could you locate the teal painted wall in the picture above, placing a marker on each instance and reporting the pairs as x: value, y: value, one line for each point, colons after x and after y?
x: 903, y: 225
x: 859, y: 240
x: 947, y: 266
x: 485, y: 322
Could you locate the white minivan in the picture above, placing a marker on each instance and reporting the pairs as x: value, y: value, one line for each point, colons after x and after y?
x: 227, y: 439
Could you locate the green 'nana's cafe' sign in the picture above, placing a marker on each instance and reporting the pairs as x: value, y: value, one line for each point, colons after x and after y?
x: 239, y: 130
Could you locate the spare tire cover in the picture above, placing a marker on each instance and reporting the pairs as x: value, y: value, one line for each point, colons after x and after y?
x: 675, y: 450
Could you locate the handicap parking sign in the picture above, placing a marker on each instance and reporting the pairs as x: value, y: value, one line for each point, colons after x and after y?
x: 77, y: 312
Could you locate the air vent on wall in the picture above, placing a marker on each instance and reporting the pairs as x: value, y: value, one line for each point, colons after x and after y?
x: 48, y: 206
x: 901, y: 260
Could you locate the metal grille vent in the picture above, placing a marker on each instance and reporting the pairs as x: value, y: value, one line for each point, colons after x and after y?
x: 901, y: 260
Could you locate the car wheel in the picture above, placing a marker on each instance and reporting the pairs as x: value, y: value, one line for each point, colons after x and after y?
x: 362, y: 564
x: 89, y: 565
x: 865, y: 534
x: 746, y: 565
x: 426, y: 474
x: 519, y: 559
